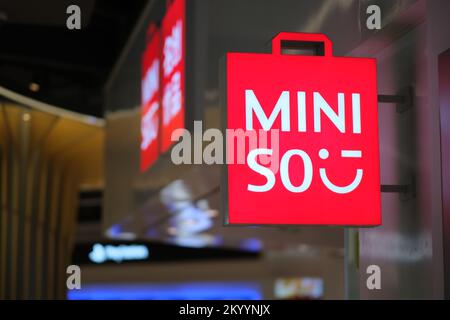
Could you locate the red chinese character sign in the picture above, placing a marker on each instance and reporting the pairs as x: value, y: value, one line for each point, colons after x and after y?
x: 173, y: 72
x: 150, y: 96
x: 311, y: 127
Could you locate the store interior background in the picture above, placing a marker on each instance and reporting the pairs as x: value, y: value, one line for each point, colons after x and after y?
x: 70, y: 173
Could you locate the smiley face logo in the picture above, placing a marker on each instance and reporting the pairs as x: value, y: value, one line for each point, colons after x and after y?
x: 324, y: 154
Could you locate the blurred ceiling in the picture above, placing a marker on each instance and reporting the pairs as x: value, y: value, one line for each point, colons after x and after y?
x: 68, y: 66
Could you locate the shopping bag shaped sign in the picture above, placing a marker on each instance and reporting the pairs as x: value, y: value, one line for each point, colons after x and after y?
x: 315, y: 119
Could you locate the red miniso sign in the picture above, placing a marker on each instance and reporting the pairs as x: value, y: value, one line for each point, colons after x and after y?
x: 311, y: 129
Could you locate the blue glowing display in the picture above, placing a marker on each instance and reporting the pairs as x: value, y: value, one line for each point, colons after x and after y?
x: 184, y: 291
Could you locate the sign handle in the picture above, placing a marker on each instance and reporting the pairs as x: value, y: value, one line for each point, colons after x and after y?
x: 301, y: 37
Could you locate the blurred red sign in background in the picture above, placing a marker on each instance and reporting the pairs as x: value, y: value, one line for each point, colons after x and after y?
x: 151, y: 99
x: 173, y: 72
x: 163, y: 76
